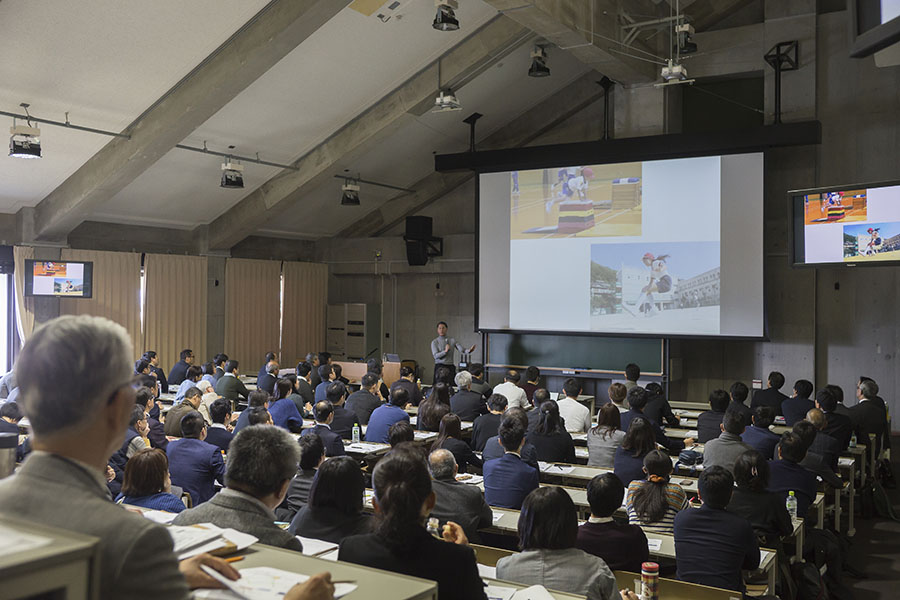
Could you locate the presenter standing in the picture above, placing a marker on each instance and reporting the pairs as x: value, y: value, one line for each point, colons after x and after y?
x: 443, y: 348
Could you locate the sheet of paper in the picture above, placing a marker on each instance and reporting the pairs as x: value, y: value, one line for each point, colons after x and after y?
x: 159, y: 516
x: 238, y: 538
x: 314, y: 547
x: 13, y: 541
x: 497, y: 517
x: 189, y: 537
x: 654, y: 544
x: 487, y: 572
x: 266, y: 583
x: 364, y: 447
x: 535, y: 592
x: 498, y: 592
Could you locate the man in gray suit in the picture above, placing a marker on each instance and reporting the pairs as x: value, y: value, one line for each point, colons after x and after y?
x: 456, y: 501
x: 725, y: 449
x: 261, y: 462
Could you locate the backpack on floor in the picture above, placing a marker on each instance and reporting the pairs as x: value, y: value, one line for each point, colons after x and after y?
x: 808, y: 583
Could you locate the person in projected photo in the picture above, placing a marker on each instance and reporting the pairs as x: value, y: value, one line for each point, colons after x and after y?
x: 874, y: 244
x: 660, y: 281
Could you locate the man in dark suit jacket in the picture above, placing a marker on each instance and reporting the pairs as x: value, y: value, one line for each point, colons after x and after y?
x: 816, y: 463
x: 312, y: 359
x: 324, y: 415
x: 343, y: 420
x: 620, y: 545
x: 158, y: 374
x: 507, y: 480
x: 457, y: 501
x: 795, y: 408
x: 838, y: 426
x: 486, y: 426
x: 366, y: 400
x: 407, y: 382
x: 771, y: 396
x: 739, y: 393
x: 229, y: 386
x: 326, y: 376
x: 269, y: 378
x: 713, y: 545
x: 219, y: 361
x: 312, y: 455
x: 465, y: 403
x: 270, y: 358
x: 479, y: 384
x: 637, y: 398
x: 304, y: 382
x: 217, y: 434
x: 195, y: 465
x: 823, y: 444
x: 758, y: 435
x: 786, y: 474
x: 263, y: 460
x: 709, y: 423
x: 870, y: 414
x: 179, y: 369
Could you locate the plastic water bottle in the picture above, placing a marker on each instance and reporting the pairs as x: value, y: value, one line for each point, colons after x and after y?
x: 434, y: 527
x: 791, y: 504
x: 356, y: 434
x: 853, y: 440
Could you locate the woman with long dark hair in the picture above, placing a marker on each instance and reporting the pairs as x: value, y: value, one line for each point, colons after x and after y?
x: 638, y: 441
x: 605, y: 437
x: 751, y: 499
x: 550, y: 438
x: 400, y: 543
x: 654, y: 502
x: 450, y: 438
x: 433, y: 408
x: 335, y: 507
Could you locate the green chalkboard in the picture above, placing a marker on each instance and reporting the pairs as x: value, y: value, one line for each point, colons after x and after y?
x: 579, y: 352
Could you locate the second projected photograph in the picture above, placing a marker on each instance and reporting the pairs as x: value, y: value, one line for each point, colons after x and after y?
x: 643, y: 287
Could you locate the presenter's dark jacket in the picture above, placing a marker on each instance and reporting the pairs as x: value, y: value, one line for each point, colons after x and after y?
x: 267, y: 383
x: 231, y: 388
x: 764, y: 510
x: 467, y: 405
x: 381, y: 420
x: 744, y: 410
x: 553, y: 447
x: 840, y: 427
x: 484, y: 428
x: 507, y: 480
x: 712, y: 546
x: 161, y: 378
x: 332, y: 441
x: 415, y: 394
x: 452, y: 566
x: 462, y: 453
x: 708, y: 425
x: 328, y: 523
x: 463, y: 504
x: 762, y: 440
x: 493, y: 449
x: 795, y: 409
x: 178, y: 373
x: 628, y: 467
x: 769, y: 397
x: 343, y: 422
x: 661, y: 439
x: 195, y: 466
x: 786, y: 476
x: 219, y: 437
x: 622, y: 546
x: 363, y: 403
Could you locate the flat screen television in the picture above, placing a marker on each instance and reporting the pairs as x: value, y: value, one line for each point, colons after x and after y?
x: 60, y: 279
x: 849, y: 225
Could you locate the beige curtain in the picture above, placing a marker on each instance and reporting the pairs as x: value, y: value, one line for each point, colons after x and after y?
x: 305, y: 300
x: 116, y: 290
x: 175, y: 306
x: 252, y: 315
x: 24, y: 306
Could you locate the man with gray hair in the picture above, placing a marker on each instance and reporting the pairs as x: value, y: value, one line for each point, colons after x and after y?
x: 465, y: 403
x: 869, y: 416
x: 454, y: 500
x: 261, y: 463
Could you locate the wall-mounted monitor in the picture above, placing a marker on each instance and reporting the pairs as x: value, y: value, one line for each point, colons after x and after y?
x: 60, y: 279
x: 848, y: 225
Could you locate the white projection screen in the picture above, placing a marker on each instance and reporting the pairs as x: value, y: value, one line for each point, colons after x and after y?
x: 663, y: 248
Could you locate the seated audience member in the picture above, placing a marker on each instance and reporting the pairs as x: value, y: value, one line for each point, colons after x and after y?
x: 179, y: 369
x: 76, y: 427
x: 209, y: 374
x: 374, y: 366
x: 823, y: 444
x: 478, y: 381
x: 786, y: 474
x: 344, y: 419
x: 335, y: 507
x: 386, y: 415
x: 312, y: 359
x: 450, y: 438
x: 261, y: 462
x: 194, y: 464
x: 603, y: 439
x: 217, y: 433
x: 552, y: 442
x: 465, y: 403
x: 324, y: 414
x: 628, y: 463
x: 637, y: 400
x: 752, y: 499
x: 443, y: 374
x: 10, y: 415
x: 230, y: 387
x: 494, y: 448
x: 326, y: 375
x: 364, y: 402
x: 548, y: 531
x: 725, y: 449
x: 576, y: 417
x: 534, y: 415
x: 408, y: 382
x: 838, y: 394
x: 434, y: 407
x: 758, y: 436
x: 258, y: 415
x: 654, y: 502
x: 709, y: 423
x: 269, y: 360
x: 191, y: 377
x: 295, y: 397
x: 632, y: 374
x: 838, y: 426
x: 401, y: 432
x: 485, y: 426
x: 739, y: 393
x: 219, y: 361
x: 283, y: 410
x: 147, y: 483
x: 617, y: 393
x: 815, y: 463
x: 712, y: 545
x: 400, y: 543
x: 135, y: 438
x: 795, y: 408
x: 312, y: 455
x: 305, y: 387
x: 156, y: 372
x: 145, y: 397
x: 142, y: 367
x: 339, y: 374
x: 870, y: 414
x: 622, y: 546
x: 658, y: 409
x: 257, y: 399
x: 191, y: 403
x: 515, y: 396
x: 771, y: 396
x: 508, y: 479
x: 455, y: 500
x: 532, y: 381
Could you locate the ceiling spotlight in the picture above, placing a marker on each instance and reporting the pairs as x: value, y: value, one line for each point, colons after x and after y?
x: 25, y: 141
x: 445, y: 19
x: 539, y: 66
x: 446, y: 102
x: 683, y: 34
x: 350, y: 193
x: 232, y: 175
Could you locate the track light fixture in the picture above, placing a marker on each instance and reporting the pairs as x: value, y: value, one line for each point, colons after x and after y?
x: 350, y: 193
x: 445, y: 19
x: 25, y: 140
x: 232, y: 175
x: 683, y: 34
x: 539, y: 66
x: 446, y: 102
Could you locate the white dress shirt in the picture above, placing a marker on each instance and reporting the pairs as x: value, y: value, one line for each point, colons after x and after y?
x: 515, y: 396
x: 576, y: 415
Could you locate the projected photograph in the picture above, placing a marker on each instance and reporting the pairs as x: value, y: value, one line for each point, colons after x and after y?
x: 830, y: 207
x: 68, y: 287
x: 581, y: 201
x: 872, y: 241
x: 655, y: 287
